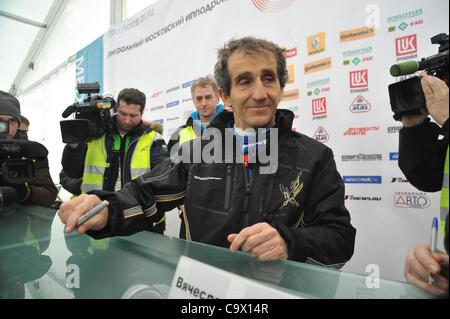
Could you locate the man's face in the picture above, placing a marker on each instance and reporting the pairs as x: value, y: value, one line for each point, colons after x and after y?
x: 13, y: 125
x: 128, y: 116
x: 255, y: 89
x: 205, y: 101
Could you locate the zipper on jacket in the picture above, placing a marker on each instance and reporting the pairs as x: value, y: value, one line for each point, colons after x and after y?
x: 228, y: 188
x: 248, y: 186
x: 122, y: 165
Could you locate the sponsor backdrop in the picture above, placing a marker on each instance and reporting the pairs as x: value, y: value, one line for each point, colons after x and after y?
x: 339, y: 54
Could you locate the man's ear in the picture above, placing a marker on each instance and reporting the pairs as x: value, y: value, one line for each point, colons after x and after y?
x: 225, y: 98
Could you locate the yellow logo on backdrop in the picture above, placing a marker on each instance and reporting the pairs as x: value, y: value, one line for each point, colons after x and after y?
x: 316, y: 43
x: 291, y: 71
x: 290, y: 95
x: 318, y: 65
x: 356, y: 34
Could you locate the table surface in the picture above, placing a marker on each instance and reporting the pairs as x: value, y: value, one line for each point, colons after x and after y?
x: 37, y: 260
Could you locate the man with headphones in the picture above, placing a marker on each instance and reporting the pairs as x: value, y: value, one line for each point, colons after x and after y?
x: 130, y: 150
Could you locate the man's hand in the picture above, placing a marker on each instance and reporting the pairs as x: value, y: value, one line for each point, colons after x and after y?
x: 261, y: 241
x: 420, y: 262
x: 436, y: 96
x: 69, y: 213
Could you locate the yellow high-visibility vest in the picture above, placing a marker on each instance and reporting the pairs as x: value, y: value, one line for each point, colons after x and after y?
x: 95, y: 161
x: 187, y: 134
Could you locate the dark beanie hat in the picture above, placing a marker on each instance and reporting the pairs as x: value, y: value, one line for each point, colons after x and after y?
x: 9, y: 105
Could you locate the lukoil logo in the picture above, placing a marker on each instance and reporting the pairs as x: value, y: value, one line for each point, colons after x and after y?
x: 269, y: 6
x: 319, y: 108
x: 406, y: 45
x: 359, y: 79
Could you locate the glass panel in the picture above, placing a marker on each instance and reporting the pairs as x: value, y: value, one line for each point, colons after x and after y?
x: 37, y: 260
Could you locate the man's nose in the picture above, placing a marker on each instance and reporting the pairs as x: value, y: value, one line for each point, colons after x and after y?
x: 259, y: 92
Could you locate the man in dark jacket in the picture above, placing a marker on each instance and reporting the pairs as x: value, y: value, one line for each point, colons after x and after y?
x: 290, y: 206
x: 41, y: 191
x: 130, y: 150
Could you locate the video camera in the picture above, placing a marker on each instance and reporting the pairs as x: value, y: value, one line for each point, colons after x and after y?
x: 92, y: 117
x: 17, y: 166
x: 407, y: 96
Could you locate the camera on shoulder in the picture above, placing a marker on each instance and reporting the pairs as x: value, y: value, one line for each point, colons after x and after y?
x: 407, y: 97
x: 92, y: 116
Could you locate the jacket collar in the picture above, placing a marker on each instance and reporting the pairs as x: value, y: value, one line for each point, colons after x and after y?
x: 283, y: 120
x: 138, y: 130
x: 194, y: 118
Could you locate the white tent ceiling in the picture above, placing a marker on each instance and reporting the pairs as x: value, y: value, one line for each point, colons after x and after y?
x: 20, y: 23
x: 24, y: 26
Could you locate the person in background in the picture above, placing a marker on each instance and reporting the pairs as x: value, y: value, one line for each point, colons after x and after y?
x: 41, y: 191
x: 73, y: 185
x: 22, y: 131
x: 130, y: 150
x: 423, y: 158
x: 205, y: 95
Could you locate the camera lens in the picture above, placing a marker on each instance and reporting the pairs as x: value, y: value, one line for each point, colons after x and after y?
x: 13, y: 174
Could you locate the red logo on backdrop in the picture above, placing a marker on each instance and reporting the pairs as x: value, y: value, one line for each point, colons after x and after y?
x: 359, y: 79
x: 272, y: 5
x: 321, y: 135
x: 290, y: 53
x: 406, y: 45
x: 319, y: 106
x: 360, y: 105
x: 156, y: 94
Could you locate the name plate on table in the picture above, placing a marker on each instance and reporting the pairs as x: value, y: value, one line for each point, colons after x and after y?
x: 196, y: 280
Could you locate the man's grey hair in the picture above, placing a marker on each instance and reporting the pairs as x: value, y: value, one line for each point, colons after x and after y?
x: 249, y: 45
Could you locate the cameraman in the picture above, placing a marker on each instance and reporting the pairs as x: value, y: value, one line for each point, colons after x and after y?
x: 41, y: 191
x: 423, y: 151
x: 130, y: 150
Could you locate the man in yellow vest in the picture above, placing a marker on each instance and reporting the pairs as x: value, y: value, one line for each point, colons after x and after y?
x: 130, y: 150
x: 423, y: 158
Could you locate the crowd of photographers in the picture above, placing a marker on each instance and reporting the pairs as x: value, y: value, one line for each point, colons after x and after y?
x: 132, y: 148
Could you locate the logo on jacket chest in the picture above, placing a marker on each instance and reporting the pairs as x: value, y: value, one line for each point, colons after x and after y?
x: 290, y: 192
